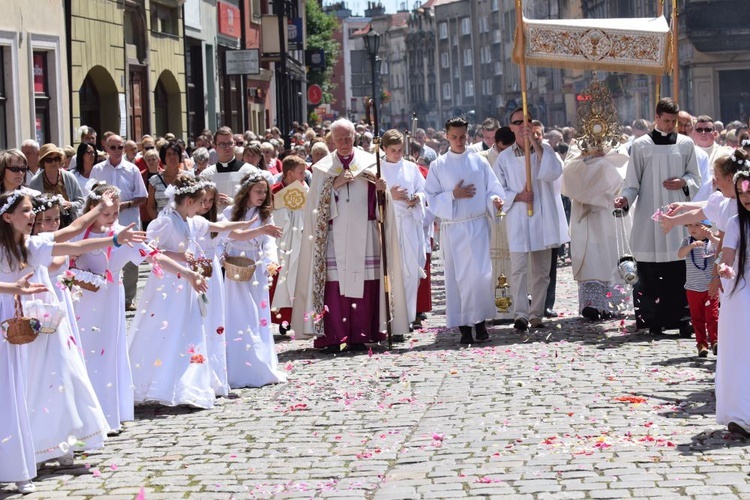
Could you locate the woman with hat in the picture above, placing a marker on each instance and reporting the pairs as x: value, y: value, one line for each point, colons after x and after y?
x: 52, y: 179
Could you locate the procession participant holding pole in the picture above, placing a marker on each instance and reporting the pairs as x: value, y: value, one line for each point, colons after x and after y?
x: 464, y: 193
x: 533, y: 221
x: 339, y: 289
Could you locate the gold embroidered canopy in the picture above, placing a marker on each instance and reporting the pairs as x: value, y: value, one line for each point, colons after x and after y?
x: 631, y: 45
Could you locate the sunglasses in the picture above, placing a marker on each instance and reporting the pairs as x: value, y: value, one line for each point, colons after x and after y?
x: 118, y: 148
x: 517, y: 123
x: 149, y: 148
x: 17, y: 170
x: 702, y: 130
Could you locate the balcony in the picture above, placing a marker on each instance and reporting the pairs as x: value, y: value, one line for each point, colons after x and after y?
x: 718, y: 25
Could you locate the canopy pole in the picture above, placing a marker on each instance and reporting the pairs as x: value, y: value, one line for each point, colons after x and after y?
x: 524, y: 102
x: 675, y: 58
x: 658, y: 78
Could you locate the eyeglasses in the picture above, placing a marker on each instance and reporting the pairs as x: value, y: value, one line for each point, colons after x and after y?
x: 118, y: 148
x: 224, y: 144
x: 92, y: 153
x: 17, y: 170
x: 686, y: 125
x: 702, y: 130
x: 517, y: 123
x: 239, y: 143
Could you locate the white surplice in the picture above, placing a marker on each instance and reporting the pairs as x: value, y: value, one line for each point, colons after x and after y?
x: 465, y: 234
x: 406, y: 175
x: 649, y: 166
x: 547, y: 228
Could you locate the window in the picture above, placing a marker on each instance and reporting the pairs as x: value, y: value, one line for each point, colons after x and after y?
x: 444, y: 60
x: 3, y: 102
x: 466, y: 26
x: 498, y: 68
x: 468, y: 58
x: 41, y: 98
x: 485, y: 55
x: 443, y: 31
x: 164, y: 19
x: 360, y: 73
x: 484, y: 25
x: 495, y: 5
x: 446, y: 91
x: 469, y: 88
x: 487, y: 86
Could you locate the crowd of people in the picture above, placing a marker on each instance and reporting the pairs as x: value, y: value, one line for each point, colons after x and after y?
x: 312, y: 231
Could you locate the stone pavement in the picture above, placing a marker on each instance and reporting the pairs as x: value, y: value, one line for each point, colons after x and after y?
x: 573, y: 411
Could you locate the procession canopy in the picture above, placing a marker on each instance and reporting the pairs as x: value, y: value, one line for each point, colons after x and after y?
x: 628, y: 45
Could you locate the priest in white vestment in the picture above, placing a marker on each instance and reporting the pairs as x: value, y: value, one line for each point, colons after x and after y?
x: 530, y: 238
x: 662, y: 170
x: 592, y: 181
x: 406, y: 185
x: 465, y: 194
x: 339, y: 293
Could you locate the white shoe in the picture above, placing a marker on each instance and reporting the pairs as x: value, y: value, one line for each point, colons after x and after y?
x: 66, y: 460
x: 25, y: 487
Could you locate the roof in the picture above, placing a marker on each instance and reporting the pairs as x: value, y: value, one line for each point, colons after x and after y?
x: 400, y: 19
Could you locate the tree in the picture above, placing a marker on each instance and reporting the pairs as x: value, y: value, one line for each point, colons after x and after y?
x: 320, y: 28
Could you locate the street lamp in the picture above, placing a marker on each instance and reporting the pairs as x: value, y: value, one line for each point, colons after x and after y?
x: 372, y: 44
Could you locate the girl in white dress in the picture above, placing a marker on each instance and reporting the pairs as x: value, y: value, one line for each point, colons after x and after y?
x: 55, y: 420
x: 168, y: 349
x: 214, y: 320
x: 251, y: 353
x: 17, y: 448
x: 732, y: 369
x: 101, y: 313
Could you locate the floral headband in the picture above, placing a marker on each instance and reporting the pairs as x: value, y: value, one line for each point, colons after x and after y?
x: 48, y: 202
x: 11, y: 200
x: 257, y: 177
x: 740, y: 162
x: 93, y: 184
x: 173, y: 191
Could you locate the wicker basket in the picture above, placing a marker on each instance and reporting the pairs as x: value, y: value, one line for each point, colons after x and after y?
x: 85, y: 285
x: 20, y: 330
x: 239, y: 268
x: 202, y: 266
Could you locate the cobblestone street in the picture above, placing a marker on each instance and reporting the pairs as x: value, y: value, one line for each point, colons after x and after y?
x: 571, y: 411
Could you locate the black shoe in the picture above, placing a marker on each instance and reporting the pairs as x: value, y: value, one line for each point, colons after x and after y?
x: 736, y: 428
x: 416, y: 324
x: 466, y: 337
x: 607, y: 315
x: 686, y: 330
x: 360, y: 347
x: 591, y: 313
x: 549, y: 313
x: 421, y: 316
x: 398, y: 338
x: 521, y: 325
x: 655, y: 330
x: 283, y: 330
x: 715, y: 348
x: 482, y: 333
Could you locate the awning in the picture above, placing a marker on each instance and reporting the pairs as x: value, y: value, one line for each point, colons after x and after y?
x: 629, y: 45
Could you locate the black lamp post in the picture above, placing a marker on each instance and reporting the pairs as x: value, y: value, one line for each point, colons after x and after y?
x: 372, y: 44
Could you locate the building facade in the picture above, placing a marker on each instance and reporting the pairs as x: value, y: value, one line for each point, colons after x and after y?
x: 34, y: 86
x: 127, y: 67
